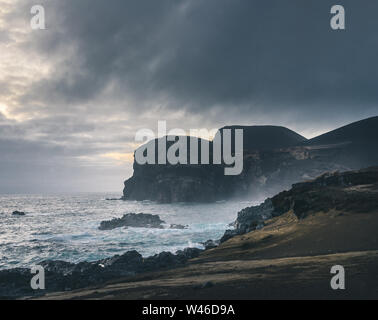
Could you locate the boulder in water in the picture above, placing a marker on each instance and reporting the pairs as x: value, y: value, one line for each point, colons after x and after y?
x: 178, y: 226
x: 18, y: 213
x: 141, y: 220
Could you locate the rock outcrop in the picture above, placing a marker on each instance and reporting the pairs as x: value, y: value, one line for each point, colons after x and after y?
x: 353, y: 191
x: 65, y: 276
x: 178, y: 226
x: 18, y: 213
x: 211, y: 244
x: 274, y: 158
x: 140, y: 220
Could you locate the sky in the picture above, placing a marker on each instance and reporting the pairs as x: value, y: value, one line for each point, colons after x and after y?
x: 73, y: 96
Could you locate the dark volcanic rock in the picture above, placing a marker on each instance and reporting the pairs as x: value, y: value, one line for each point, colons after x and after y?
x: 63, y: 276
x: 173, y: 183
x: 210, y: 244
x: 228, y: 234
x: 353, y: 191
x: 178, y: 226
x: 188, y: 253
x: 140, y: 220
x: 250, y: 218
x: 18, y: 213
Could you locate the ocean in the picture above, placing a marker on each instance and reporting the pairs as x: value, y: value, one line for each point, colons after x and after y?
x: 65, y: 227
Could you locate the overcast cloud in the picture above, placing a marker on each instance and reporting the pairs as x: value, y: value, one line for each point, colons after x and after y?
x: 73, y: 96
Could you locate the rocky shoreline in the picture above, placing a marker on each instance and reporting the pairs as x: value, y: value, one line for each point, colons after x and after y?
x: 353, y: 191
x: 65, y: 276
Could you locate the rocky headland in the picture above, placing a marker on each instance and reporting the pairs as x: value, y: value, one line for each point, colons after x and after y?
x: 274, y: 158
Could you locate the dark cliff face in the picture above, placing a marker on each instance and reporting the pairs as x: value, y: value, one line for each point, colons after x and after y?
x: 168, y: 184
x: 274, y: 158
x: 176, y: 183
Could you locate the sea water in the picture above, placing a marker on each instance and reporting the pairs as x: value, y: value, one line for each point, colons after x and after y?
x: 65, y: 227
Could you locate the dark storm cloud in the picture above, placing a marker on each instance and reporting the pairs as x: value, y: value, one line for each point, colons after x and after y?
x: 104, y: 69
x: 253, y: 55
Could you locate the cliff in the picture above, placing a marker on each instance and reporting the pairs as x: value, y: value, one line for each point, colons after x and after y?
x: 274, y: 158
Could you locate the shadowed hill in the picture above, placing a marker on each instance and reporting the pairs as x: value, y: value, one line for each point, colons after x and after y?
x: 364, y: 131
x: 354, y: 145
x: 267, y: 137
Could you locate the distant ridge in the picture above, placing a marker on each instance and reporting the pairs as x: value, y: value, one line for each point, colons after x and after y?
x: 363, y: 131
x: 268, y: 137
